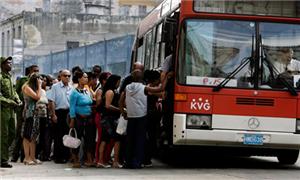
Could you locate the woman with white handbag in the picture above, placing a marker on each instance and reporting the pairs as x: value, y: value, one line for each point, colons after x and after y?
x: 81, y: 118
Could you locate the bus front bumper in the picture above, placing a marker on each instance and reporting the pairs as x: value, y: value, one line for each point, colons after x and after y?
x: 231, y: 138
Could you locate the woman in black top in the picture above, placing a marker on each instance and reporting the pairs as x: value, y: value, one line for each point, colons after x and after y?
x: 110, y: 116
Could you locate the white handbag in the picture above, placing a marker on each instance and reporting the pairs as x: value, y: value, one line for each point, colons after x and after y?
x: 70, y: 141
x: 122, y: 126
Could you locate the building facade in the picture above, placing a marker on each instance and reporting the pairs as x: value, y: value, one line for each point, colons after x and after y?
x: 55, y: 24
x: 9, y: 8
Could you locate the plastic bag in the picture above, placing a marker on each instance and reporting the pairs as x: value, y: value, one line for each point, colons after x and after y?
x: 122, y: 126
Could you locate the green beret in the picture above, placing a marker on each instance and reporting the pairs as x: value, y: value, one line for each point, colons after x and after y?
x: 3, y: 59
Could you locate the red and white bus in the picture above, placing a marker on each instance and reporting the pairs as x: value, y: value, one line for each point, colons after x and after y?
x: 236, y: 73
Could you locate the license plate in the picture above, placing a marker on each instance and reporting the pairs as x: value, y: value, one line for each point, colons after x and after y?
x: 253, y: 139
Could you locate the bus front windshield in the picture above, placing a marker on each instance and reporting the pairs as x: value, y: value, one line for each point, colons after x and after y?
x: 211, y: 50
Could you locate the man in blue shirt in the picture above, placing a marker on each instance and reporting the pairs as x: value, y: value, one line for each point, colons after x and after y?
x: 59, y: 109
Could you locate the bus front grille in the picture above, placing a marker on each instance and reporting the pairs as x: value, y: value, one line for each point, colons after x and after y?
x: 255, y: 101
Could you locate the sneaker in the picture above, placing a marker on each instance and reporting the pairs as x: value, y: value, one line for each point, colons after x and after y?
x: 117, y: 165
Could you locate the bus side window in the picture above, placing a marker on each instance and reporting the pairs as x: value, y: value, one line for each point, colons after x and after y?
x: 141, y: 51
x: 148, y: 49
x: 157, y: 53
x: 152, y: 45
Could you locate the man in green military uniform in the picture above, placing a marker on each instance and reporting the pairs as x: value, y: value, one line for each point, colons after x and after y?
x: 9, y: 100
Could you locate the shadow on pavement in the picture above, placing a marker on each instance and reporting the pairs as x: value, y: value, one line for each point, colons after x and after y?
x: 208, y: 160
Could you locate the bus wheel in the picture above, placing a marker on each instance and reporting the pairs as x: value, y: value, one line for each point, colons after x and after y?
x: 288, y: 156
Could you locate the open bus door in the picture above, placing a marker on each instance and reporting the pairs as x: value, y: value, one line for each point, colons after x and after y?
x: 169, y: 38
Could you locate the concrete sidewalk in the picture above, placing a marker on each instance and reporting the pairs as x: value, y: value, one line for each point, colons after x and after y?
x: 212, y: 168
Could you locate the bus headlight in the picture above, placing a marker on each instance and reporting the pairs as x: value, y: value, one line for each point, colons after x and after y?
x: 198, y: 122
x: 298, y: 126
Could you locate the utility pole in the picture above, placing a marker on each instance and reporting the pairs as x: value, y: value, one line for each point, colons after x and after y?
x: 110, y: 6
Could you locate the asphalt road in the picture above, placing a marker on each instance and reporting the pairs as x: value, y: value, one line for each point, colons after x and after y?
x: 186, y: 169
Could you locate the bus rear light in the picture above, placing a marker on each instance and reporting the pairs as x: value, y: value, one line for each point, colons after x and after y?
x: 198, y: 122
x: 180, y: 97
x: 298, y: 126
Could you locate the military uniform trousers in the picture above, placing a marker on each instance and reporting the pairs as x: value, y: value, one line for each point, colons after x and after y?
x: 7, y: 131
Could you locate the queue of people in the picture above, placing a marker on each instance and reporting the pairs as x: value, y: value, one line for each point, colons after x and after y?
x: 91, y: 103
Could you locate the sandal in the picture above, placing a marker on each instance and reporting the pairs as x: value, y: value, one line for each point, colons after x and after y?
x: 29, y: 162
x: 100, y: 165
x: 37, y: 161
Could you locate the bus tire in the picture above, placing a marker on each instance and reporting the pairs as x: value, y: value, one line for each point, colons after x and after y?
x: 288, y: 156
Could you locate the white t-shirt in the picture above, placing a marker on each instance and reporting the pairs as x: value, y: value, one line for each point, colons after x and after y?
x: 294, y: 65
x: 167, y: 65
x: 136, y: 100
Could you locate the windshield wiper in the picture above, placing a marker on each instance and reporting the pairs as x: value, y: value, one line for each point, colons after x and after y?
x: 244, y: 63
x: 290, y: 87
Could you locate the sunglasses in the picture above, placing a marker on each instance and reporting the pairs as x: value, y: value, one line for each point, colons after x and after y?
x: 66, y: 75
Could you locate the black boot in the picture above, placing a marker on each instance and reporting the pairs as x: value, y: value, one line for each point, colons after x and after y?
x: 4, y: 164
